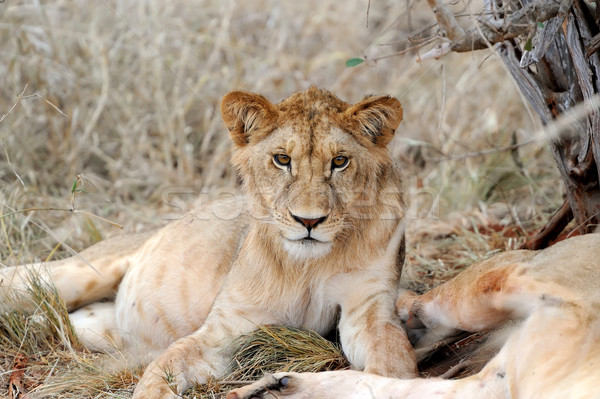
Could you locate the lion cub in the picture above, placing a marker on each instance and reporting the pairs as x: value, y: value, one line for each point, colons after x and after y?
x: 321, y: 239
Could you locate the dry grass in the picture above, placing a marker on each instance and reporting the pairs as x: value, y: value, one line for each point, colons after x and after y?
x: 123, y: 97
x: 274, y: 348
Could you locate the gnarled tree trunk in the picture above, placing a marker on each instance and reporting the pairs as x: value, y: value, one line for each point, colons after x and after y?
x: 550, y: 48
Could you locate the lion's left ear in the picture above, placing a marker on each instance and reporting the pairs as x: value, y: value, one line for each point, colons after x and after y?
x: 247, y: 114
x: 377, y: 118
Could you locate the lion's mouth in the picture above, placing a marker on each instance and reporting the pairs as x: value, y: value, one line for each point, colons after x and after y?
x: 307, y: 247
x: 308, y: 241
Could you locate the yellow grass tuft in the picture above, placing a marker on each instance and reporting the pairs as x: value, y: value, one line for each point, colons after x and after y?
x: 275, y: 348
x: 269, y: 349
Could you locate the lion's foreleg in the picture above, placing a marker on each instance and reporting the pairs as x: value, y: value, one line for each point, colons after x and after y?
x: 194, y: 358
x: 371, y: 333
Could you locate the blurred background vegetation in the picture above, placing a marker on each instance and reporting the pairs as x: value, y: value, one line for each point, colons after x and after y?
x: 125, y: 94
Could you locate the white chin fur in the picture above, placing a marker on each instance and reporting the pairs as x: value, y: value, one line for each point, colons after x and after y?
x: 306, y: 250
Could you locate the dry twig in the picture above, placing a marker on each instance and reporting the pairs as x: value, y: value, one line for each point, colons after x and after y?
x: 454, y: 370
x: 446, y: 19
x: 19, y: 98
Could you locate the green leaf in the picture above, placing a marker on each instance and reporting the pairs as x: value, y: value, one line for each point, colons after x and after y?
x: 528, y: 45
x: 74, y: 186
x: 540, y: 24
x: 352, y: 62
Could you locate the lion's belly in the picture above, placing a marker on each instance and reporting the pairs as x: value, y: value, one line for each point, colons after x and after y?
x: 173, y: 281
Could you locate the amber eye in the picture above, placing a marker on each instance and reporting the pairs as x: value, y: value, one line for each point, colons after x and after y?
x: 339, y: 162
x: 282, y: 159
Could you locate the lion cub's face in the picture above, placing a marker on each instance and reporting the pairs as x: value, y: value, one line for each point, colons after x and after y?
x: 311, y: 163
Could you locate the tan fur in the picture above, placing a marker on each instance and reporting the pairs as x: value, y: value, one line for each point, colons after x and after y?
x: 553, y: 352
x: 189, y: 288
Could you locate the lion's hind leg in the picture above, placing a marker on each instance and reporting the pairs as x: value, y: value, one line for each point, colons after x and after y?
x: 96, y: 327
x: 351, y: 384
x: 511, y: 285
x: 90, y: 276
x: 482, y: 297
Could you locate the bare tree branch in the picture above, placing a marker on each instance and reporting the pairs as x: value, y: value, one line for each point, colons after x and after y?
x: 552, y: 229
x: 543, y: 39
x: 446, y: 19
x: 492, y: 30
x: 594, y: 45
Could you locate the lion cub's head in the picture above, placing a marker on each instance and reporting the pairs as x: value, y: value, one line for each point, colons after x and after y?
x: 312, y: 164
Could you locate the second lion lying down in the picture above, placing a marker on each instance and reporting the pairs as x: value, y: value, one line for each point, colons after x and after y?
x: 552, y: 352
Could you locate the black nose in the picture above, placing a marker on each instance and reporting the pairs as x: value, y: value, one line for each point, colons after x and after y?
x: 309, y: 223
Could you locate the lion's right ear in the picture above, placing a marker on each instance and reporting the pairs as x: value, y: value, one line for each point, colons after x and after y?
x: 245, y: 114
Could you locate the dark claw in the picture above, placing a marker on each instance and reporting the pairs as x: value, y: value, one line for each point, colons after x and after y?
x: 283, y: 382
